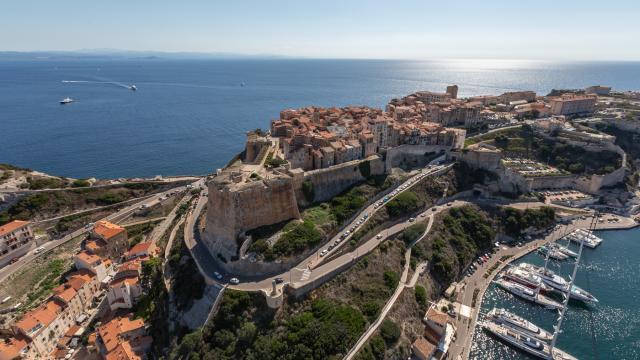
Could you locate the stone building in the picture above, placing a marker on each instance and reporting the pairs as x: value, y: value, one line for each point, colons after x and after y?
x: 16, y: 238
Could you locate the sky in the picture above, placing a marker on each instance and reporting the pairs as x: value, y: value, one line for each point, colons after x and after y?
x: 409, y: 29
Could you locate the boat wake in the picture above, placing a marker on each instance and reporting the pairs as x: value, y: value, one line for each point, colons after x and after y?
x: 115, y: 83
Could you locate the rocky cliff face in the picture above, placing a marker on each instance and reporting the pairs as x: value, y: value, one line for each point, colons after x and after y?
x: 236, y: 208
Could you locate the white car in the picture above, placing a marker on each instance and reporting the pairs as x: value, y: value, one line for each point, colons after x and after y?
x: 40, y: 249
x: 323, y: 253
x: 379, y: 236
x: 234, y: 281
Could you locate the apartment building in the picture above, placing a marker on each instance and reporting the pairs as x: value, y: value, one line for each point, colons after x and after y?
x: 16, y: 238
x: 572, y: 104
x: 108, y: 240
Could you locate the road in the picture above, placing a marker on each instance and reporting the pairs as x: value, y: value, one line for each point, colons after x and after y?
x: 8, y: 270
x: 465, y: 328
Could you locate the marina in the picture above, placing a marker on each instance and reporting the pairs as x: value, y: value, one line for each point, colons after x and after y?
x: 590, y: 330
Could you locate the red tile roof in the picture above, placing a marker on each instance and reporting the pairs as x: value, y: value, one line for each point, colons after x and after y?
x: 107, y: 230
x: 12, y: 226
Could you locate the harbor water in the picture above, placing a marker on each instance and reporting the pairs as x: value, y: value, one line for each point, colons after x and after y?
x: 609, y: 329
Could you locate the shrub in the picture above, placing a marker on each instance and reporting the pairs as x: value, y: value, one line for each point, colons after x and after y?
x: 365, y: 168
x: 391, y: 279
x: 421, y: 295
x: 402, y: 204
x: 302, y: 236
x: 390, y: 331
x: 81, y: 183
x: 413, y: 232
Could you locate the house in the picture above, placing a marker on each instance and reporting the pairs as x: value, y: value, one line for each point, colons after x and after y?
x: 125, y: 288
x: 143, y: 250
x: 438, y: 334
x: 423, y: 349
x: 92, y: 262
x: 108, y: 240
x: 16, y: 238
x: 122, y: 338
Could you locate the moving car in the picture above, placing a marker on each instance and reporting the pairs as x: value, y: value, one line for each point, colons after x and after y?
x: 279, y: 280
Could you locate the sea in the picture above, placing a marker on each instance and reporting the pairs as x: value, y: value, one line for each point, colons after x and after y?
x: 609, y: 329
x: 191, y: 116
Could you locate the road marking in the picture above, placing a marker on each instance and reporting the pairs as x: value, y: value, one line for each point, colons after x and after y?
x: 305, y: 275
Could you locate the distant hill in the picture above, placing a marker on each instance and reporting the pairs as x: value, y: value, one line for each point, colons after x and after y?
x: 114, y: 54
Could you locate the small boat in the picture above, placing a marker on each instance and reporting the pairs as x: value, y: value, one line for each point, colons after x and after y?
x: 524, y: 292
x: 133, y: 88
x: 558, y: 283
x: 66, y: 100
x: 517, y: 323
x: 554, y: 254
x: 525, y: 343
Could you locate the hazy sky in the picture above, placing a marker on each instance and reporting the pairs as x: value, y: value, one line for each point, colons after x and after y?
x: 411, y: 29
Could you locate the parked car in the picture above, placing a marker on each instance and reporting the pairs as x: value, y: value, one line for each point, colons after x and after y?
x: 234, y: 281
x: 217, y: 275
x: 323, y: 253
x: 279, y: 280
x: 40, y: 249
x: 412, y: 219
x: 379, y: 236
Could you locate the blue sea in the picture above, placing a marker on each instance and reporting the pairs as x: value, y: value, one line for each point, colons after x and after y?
x: 190, y: 116
x: 607, y: 330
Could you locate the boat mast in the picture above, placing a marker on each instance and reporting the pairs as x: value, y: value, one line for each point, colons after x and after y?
x: 556, y: 329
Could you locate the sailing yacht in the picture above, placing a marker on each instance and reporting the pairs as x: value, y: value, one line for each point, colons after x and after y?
x: 525, y: 343
x: 553, y: 253
x: 526, y: 278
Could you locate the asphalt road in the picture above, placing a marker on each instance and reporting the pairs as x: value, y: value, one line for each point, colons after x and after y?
x: 8, y: 270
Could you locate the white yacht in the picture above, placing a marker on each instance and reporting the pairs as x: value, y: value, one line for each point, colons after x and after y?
x: 528, y: 294
x: 585, y: 236
x: 525, y: 343
x: 66, y: 101
x: 563, y: 249
x: 526, y: 278
x: 517, y: 323
x: 558, y: 283
x: 554, y: 254
x: 133, y: 88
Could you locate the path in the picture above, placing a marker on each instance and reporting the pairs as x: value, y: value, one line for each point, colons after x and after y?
x: 401, y: 286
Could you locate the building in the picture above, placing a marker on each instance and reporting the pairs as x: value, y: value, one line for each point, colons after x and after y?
x: 511, y: 96
x: 598, y: 90
x: 572, y: 104
x: 93, y: 263
x: 108, y: 240
x: 16, y: 238
x: 125, y: 288
x: 143, y: 251
x: 122, y: 338
x: 423, y: 349
x: 438, y: 335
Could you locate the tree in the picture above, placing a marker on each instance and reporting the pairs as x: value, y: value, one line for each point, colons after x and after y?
x: 421, y: 295
x: 390, y: 332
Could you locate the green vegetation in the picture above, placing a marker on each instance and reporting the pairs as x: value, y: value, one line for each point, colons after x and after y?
x: 344, y: 206
x: 308, y: 191
x: 81, y: 183
x: 39, y: 183
x: 421, y: 295
x: 255, y: 176
x: 4, y: 166
x: 403, y: 204
x: 50, y: 275
x: 245, y: 328
x: 413, y: 232
x: 458, y: 236
x: 137, y: 232
x: 508, y: 132
x: 71, y: 222
x: 391, y: 279
x: 273, y: 162
x: 302, y: 236
x: 373, y: 350
x: 390, y: 331
x: 516, y: 221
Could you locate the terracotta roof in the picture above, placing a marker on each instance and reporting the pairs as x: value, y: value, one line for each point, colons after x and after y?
x: 67, y: 294
x: 93, y: 245
x: 107, y: 230
x: 140, y: 248
x: 10, y: 348
x: 111, y: 332
x: 122, y: 352
x: 43, y: 315
x: 437, y: 316
x: 90, y: 259
x: 425, y: 347
x: 12, y: 226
